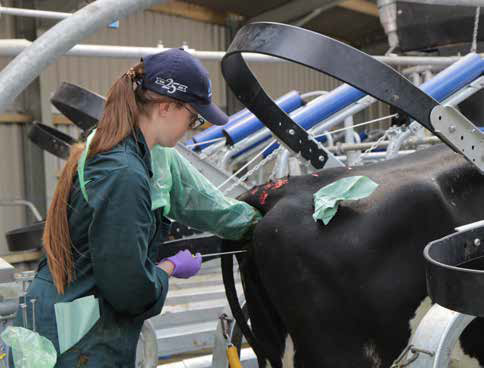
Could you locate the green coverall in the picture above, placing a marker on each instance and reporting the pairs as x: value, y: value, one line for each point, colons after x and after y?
x: 115, y: 238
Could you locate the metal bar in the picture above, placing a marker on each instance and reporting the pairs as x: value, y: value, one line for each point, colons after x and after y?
x: 33, y: 314
x: 21, y: 202
x: 282, y: 164
x: 438, y: 333
x: 374, y: 155
x: 12, y: 47
x: 33, y: 13
x: 474, y: 3
x: 21, y: 71
x: 223, y: 253
x: 362, y: 146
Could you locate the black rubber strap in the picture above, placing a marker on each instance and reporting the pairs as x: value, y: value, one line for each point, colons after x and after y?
x: 262, y: 351
x: 51, y: 140
x: 83, y: 107
x: 323, y: 54
x: 454, y: 274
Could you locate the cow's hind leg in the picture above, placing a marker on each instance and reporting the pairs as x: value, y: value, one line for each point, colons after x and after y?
x: 268, y: 328
x: 336, y: 346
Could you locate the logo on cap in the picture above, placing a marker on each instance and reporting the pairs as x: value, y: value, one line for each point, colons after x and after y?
x: 170, y: 85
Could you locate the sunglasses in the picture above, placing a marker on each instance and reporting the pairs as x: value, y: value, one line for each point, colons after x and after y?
x: 196, y: 120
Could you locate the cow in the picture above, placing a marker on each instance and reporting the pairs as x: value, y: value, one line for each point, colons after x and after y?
x: 346, y: 294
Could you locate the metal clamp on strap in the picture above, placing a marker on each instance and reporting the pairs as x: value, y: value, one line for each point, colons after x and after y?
x: 323, y: 54
x: 462, y: 134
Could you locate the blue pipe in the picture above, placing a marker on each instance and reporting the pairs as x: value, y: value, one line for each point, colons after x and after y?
x: 322, y: 108
x: 454, y: 77
x: 320, y: 138
x: 441, y: 86
x: 244, y: 127
x: 215, y: 131
x: 287, y: 102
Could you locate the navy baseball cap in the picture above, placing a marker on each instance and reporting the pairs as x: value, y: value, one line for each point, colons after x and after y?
x: 177, y: 74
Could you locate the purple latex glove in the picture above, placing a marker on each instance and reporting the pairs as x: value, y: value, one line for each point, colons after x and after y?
x: 186, y: 265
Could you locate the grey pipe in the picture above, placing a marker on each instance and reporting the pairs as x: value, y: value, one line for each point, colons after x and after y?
x: 474, y: 3
x: 374, y: 155
x: 411, y: 143
x: 33, y: 13
x: 12, y: 47
x: 22, y: 70
x: 21, y: 202
x: 282, y: 164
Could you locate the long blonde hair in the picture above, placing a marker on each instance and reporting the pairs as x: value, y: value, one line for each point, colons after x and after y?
x: 124, y: 104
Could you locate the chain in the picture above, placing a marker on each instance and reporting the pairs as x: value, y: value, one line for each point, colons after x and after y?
x: 403, y: 361
x: 476, y: 28
x: 375, y: 145
x: 253, y: 170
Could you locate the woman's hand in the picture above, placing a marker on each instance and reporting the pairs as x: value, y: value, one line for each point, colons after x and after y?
x: 184, y: 264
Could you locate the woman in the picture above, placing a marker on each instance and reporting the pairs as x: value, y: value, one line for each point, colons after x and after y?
x: 106, y: 220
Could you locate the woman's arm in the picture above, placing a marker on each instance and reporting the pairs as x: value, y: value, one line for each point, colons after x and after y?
x: 196, y: 202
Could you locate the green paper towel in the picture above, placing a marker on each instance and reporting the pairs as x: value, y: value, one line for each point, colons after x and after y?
x: 30, y: 350
x: 326, y: 200
x: 75, y: 319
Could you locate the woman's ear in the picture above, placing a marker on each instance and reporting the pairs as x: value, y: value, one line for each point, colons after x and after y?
x: 163, y: 108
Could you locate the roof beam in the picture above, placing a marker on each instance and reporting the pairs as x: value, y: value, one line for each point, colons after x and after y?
x: 361, y: 6
x: 192, y: 11
x: 295, y: 9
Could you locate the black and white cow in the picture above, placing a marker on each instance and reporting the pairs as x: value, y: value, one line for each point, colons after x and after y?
x: 345, y: 293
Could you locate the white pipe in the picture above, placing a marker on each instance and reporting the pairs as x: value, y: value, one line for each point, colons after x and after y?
x: 282, y: 164
x: 33, y: 13
x: 474, y: 3
x: 22, y: 70
x: 14, y: 46
x: 306, y: 95
x: 349, y: 132
x: 375, y: 155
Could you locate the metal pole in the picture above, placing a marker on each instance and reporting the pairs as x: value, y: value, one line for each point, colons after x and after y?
x: 33, y: 13
x: 474, y: 3
x: 22, y: 70
x: 373, y: 156
x: 12, y: 47
x: 411, y: 143
x: 21, y: 202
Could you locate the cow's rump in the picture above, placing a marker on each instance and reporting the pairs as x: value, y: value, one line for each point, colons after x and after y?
x: 345, y: 292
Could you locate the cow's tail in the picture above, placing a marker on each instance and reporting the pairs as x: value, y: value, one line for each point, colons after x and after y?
x: 255, y: 293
